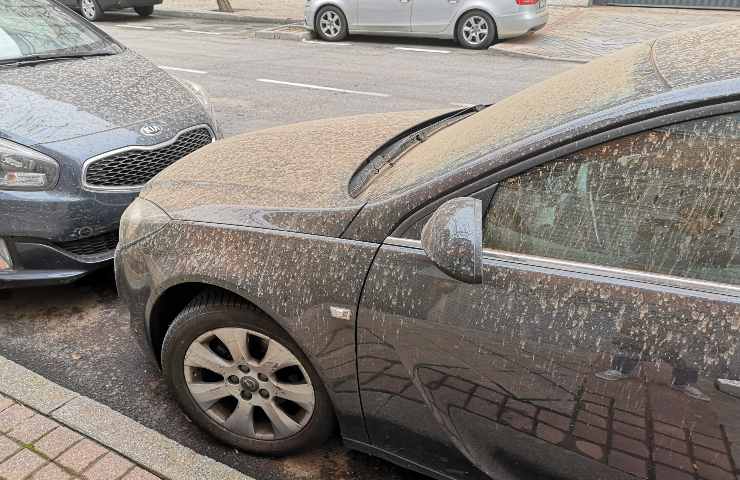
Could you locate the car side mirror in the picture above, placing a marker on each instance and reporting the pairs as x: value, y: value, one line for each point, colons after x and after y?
x: 453, y: 239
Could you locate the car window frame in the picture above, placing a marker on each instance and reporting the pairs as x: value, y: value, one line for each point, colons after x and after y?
x: 491, y: 181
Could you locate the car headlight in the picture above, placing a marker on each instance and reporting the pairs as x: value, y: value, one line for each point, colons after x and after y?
x: 140, y: 220
x: 24, y: 169
x: 200, y: 94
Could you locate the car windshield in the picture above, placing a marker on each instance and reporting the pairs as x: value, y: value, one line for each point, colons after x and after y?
x: 595, y: 87
x: 41, y: 28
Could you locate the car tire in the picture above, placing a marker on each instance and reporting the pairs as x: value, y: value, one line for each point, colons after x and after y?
x: 331, y: 24
x: 91, y: 10
x: 253, y: 430
x: 476, y: 30
x: 144, y: 11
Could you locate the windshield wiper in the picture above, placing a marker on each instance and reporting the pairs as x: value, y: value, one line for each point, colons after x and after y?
x: 390, y: 153
x: 36, y: 59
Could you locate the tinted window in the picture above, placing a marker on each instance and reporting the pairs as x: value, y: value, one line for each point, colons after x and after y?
x: 34, y: 27
x: 665, y: 201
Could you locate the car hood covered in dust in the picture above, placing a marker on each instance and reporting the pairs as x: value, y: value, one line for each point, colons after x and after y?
x: 292, y: 178
x: 64, y: 99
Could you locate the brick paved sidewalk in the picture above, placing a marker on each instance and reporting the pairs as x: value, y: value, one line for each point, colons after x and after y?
x: 35, y: 447
x: 582, y: 34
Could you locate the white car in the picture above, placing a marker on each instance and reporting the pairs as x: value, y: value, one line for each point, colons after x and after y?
x: 473, y: 23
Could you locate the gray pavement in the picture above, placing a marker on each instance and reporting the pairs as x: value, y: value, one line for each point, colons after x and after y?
x: 78, y: 335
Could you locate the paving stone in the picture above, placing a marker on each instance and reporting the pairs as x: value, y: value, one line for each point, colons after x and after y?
x: 5, y: 402
x: 7, y: 447
x: 663, y: 472
x: 57, y: 441
x: 110, y: 466
x: 590, y: 433
x: 600, y: 410
x: 140, y: 474
x: 21, y: 465
x: 590, y: 449
x: 629, y: 430
x: 629, y: 418
x: 674, y: 459
x: 81, y: 455
x: 591, y: 419
x: 706, y: 441
x: 517, y: 420
x: 712, y: 457
x: 13, y: 415
x: 670, y: 443
x: 51, y: 472
x: 669, y: 430
x: 711, y: 472
x: 556, y: 420
x: 33, y: 428
x: 550, y: 434
x: 526, y: 408
x: 630, y: 445
x: 628, y: 463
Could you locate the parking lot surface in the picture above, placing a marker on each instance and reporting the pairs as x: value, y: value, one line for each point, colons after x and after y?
x: 78, y: 335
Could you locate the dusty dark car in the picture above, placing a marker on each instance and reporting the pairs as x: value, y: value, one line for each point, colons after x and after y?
x: 85, y: 123
x: 550, y: 284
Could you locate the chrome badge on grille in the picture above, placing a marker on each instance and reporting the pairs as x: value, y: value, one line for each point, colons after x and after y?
x: 150, y: 129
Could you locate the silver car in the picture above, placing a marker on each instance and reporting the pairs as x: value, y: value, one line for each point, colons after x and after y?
x: 473, y: 23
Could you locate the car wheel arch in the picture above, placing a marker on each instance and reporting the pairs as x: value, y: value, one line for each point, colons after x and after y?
x: 472, y: 8
x: 172, y: 299
x: 330, y: 4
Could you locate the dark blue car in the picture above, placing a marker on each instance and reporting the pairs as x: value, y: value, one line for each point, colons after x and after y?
x: 85, y: 124
x: 93, y: 9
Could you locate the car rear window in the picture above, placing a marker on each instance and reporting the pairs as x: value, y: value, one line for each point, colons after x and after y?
x: 40, y: 27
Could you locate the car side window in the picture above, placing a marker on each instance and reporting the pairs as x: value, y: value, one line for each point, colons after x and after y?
x: 664, y: 201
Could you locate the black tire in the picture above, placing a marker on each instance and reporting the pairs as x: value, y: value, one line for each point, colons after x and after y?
x: 144, y: 11
x: 462, y: 24
x: 341, y: 27
x: 213, y: 310
x: 91, y: 10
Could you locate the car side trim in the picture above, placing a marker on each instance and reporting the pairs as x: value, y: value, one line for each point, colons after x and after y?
x: 591, y: 269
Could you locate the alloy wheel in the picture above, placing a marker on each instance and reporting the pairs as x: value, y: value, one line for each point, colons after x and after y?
x: 89, y: 9
x: 249, y: 383
x: 330, y: 24
x: 476, y: 30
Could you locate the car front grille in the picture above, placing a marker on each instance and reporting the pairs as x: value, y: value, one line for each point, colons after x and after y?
x: 92, y: 245
x: 135, y: 166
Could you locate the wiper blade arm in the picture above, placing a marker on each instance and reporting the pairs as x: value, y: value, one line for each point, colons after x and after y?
x: 36, y: 59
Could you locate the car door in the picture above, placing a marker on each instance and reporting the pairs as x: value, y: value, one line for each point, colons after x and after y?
x: 384, y: 15
x: 603, y: 339
x: 433, y: 16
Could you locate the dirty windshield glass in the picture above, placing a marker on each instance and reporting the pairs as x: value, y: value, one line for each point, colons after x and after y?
x: 576, y: 93
x: 39, y: 28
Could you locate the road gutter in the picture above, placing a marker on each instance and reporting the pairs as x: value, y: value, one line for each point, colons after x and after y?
x: 224, y: 17
x: 143, y: 446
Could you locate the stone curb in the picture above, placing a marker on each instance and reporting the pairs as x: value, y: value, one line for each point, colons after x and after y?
x: 151, y: 450
x: 514, y: 53
x: 281, y: 33
x: 225, y: 17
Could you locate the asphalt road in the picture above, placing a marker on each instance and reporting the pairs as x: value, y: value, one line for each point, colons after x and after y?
x: 78, y: 335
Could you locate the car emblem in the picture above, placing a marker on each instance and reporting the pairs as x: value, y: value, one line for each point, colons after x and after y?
x: 150, y: 129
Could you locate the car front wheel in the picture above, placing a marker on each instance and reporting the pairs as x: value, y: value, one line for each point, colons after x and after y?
x: 144, y: 11
x: 476, y: 30
x: 241, y: 378
x: 331, y: 24
x: 91, y: 10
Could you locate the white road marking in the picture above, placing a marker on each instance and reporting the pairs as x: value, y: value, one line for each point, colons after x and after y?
x: 136, y: 26
x: 319, y: 87
x: 201, y: 32
x: 463, y: 105
x: 337, y: 44
x: 178, y: 69
x: 427, y: 50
